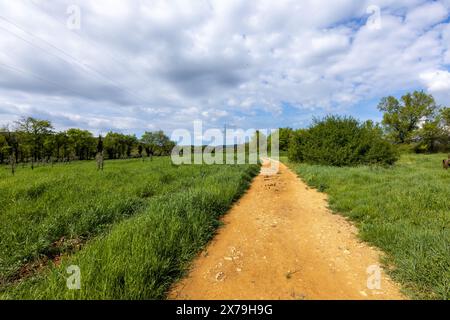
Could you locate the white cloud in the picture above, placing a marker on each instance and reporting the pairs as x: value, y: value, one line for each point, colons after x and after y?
x: 438, y: 83
x: 437, y: 80
x: 162, y: 64
x: 426, y: 15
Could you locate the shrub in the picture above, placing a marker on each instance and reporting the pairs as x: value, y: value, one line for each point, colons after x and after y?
x: 341, y: 141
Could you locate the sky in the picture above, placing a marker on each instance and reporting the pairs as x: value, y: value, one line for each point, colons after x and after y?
x: 132, y: 66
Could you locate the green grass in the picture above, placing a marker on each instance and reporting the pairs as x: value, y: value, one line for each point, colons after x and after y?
x: 404, y: 210
x: 141, y: 224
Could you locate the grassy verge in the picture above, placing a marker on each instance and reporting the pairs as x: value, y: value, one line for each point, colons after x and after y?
x: 171, y: 211
x: 404, y: 210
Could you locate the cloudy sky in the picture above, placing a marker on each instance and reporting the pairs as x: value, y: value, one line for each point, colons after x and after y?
x: 138, y: 65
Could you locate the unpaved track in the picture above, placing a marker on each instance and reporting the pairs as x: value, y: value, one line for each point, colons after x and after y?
x: 281, y: 242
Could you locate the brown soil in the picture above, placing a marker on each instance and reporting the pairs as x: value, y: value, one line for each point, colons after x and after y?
x: 281, y: 242
x: 56, y: 252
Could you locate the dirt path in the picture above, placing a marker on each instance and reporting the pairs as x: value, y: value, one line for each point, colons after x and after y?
x: 281, y: 242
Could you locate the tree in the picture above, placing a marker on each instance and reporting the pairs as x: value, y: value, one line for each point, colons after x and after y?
x: 118, y: 145
x: 3, y: 147
x: 9, y: 148
x: 100, y: 158
x: 81, y: 143
x: 111, y: 145
x: 61, y: 145
x: 157, y: 143
x: 130, y: 142
x: 140, y: 150
x: 445, y: 115
x: 434, y: 135
x: 430, y: 137
x: 49, y: 147
x: 33, y: 132
x: 284, y: 135
x: 100, y: 144
x: 402, y: 119
x: 35, y: 140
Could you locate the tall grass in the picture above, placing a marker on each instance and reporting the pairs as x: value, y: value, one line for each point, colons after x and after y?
x: 143, y: 221
x: 404, y: 210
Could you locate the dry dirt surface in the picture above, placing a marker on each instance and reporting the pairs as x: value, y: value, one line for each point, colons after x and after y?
x: 281, y: 242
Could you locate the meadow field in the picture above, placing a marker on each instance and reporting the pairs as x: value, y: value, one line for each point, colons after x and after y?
x: 132, y: 229
x: 403, y: 210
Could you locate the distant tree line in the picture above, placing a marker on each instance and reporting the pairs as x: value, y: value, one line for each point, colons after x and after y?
x: 413, y: 123
x: 32, y: 141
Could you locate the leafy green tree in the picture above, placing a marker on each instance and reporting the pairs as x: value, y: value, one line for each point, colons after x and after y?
x: 35, y: 139
x: 130, y: 142
x: 9, y: 147
x: 430, y: 137
x: 81, y: 143
x: 298, y: 140
x: 32, y: 133
x: 284, y: 135
x: 445, y: 115
x: 157, y: 143
x: 100, y: 144
x: 434, y: 135
x: 3, y: 147
x: 100, y: 157
x: 49, y: 147
x: 61, y: 146
x: 118, y: 145
x: 111, y: 145
x: 416, y: 120
x: 402, y: 118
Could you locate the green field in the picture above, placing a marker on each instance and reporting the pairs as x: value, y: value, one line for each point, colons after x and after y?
x: 404, y: 210
x: 132, y: 229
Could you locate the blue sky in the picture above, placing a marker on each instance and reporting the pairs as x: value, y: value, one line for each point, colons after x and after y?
x: 133, y: 66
